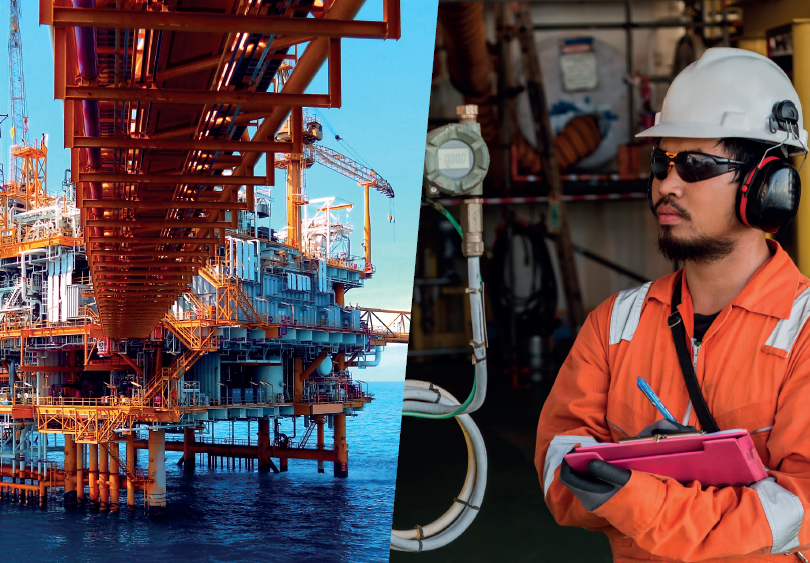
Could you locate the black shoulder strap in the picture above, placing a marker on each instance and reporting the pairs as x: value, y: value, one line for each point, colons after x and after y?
x: 689, y: 377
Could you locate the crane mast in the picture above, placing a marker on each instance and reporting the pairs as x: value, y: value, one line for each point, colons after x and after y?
x: 346, y: 166
x: 19, y: 114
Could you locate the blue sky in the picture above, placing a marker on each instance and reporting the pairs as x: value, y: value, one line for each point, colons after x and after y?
x: 386, y: 91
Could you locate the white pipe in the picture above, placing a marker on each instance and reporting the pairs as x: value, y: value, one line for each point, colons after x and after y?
x: 371, y: 363
x: 475, y: 290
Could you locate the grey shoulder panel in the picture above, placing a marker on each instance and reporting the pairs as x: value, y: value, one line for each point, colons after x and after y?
x: 786, y: 331
x: 626, y: 313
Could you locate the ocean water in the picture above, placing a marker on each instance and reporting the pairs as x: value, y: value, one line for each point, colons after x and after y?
x: 236, y: 515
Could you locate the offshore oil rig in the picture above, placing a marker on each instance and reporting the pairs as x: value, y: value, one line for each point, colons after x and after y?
x: 149, y: 298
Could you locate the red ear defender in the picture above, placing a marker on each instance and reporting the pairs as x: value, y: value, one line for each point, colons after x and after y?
x: 769, y: 195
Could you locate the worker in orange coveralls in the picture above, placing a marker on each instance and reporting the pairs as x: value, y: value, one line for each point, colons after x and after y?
x: 721, y: 179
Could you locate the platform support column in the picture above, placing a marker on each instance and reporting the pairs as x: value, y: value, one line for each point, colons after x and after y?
x: 298, y: 370
x: 188, y: 454
x: 341, y: 448
x: 264, y: 444
x: 103, y: 478
x: 156, y: 487
x: 130, y: 471
x: 80, y: 497
x: 92, y: 479
x: 339, y: 293
x: 70, y: 470
x: 283, y: 464
x: 321, y: 441
x: 115, y: 478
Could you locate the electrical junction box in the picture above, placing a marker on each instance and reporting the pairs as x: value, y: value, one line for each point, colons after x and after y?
x: 456, y: 159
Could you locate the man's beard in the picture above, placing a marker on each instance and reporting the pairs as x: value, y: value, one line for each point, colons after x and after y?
x: 699, y: 249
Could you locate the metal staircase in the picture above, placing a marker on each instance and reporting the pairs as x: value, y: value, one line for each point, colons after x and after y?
x: 137, y: 476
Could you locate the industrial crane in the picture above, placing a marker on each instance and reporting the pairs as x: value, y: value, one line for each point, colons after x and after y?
x: 19, y: 115
x: 315, y: 152
x: 342, y: 164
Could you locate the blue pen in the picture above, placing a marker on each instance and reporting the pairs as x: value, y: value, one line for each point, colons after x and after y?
x: 650, y: 394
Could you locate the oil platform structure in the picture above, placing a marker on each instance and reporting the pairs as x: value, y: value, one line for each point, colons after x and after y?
x: 148, y: 299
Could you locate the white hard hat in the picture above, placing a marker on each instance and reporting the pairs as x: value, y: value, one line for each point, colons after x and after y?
x: 728, y: 93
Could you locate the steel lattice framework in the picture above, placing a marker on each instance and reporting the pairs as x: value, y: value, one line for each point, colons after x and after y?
x: 157, y: 104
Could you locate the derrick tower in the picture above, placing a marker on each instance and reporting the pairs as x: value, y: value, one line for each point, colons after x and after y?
x: 19, y: 114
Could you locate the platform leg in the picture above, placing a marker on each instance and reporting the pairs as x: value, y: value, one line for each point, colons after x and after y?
x: 115, y: 479
x: 130, y: 471
x: 188, y: 455
x: 341, y: 448
x: 92, y: 478
x: 103, y: 478
x: 321, y: 440
x: 70, y: 470
x: 156, y: 487
x: 80, y: 496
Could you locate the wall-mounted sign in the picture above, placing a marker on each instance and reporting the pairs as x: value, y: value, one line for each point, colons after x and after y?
x: 578, y: 64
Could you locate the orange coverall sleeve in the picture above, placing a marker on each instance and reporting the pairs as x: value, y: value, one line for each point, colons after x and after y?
x: 575, y: 413
x: 688, y: 523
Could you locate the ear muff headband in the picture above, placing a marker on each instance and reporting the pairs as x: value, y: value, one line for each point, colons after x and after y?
x: 746, y: 190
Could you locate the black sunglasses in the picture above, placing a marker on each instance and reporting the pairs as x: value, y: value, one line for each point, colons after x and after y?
x: 691, y: 166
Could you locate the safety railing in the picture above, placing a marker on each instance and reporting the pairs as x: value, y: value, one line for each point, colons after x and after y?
x: 87, y: 402
x: 12, y: 322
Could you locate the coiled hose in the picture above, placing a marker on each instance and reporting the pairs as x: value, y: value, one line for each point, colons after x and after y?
x: 465, y: 507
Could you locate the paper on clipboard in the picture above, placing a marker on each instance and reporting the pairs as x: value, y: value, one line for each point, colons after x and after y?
x: 726, y: 458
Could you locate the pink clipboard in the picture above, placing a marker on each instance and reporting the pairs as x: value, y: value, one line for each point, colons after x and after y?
x: 719, y: 459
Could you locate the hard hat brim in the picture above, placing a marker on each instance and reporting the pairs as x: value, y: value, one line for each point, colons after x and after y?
x: 692, y: 130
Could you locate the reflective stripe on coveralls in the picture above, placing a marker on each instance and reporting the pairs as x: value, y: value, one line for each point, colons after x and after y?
x: 787, y: 330
x: 627, y: 313
x: 560, y: 445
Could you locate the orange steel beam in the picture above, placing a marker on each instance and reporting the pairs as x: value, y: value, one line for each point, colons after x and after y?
x: 149, y: 307
x: 214, y: 23
x: 277, y: 44
x: 158, y: 277
x: 392, y: 311
x: 132, y: 363
x: 149, y: 240
x: 171, y: 179
x: 308, y: 65
x: 225, y: 450
x: 150, y: 271
x: 50, y: 369
x: 179, y: 145
x: 334, y: 72
x: 150, y: 284
x: 147, y: 292
x: 259, y: 101
x: 187, y: 68
x: 311, y: 367
x: 155, y: 224
x: 154, y: 288
x: 140, y: 204
x: 152, y: 253
x: 60, y: 64
x: 112, y: 277
x: 205, y: 64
